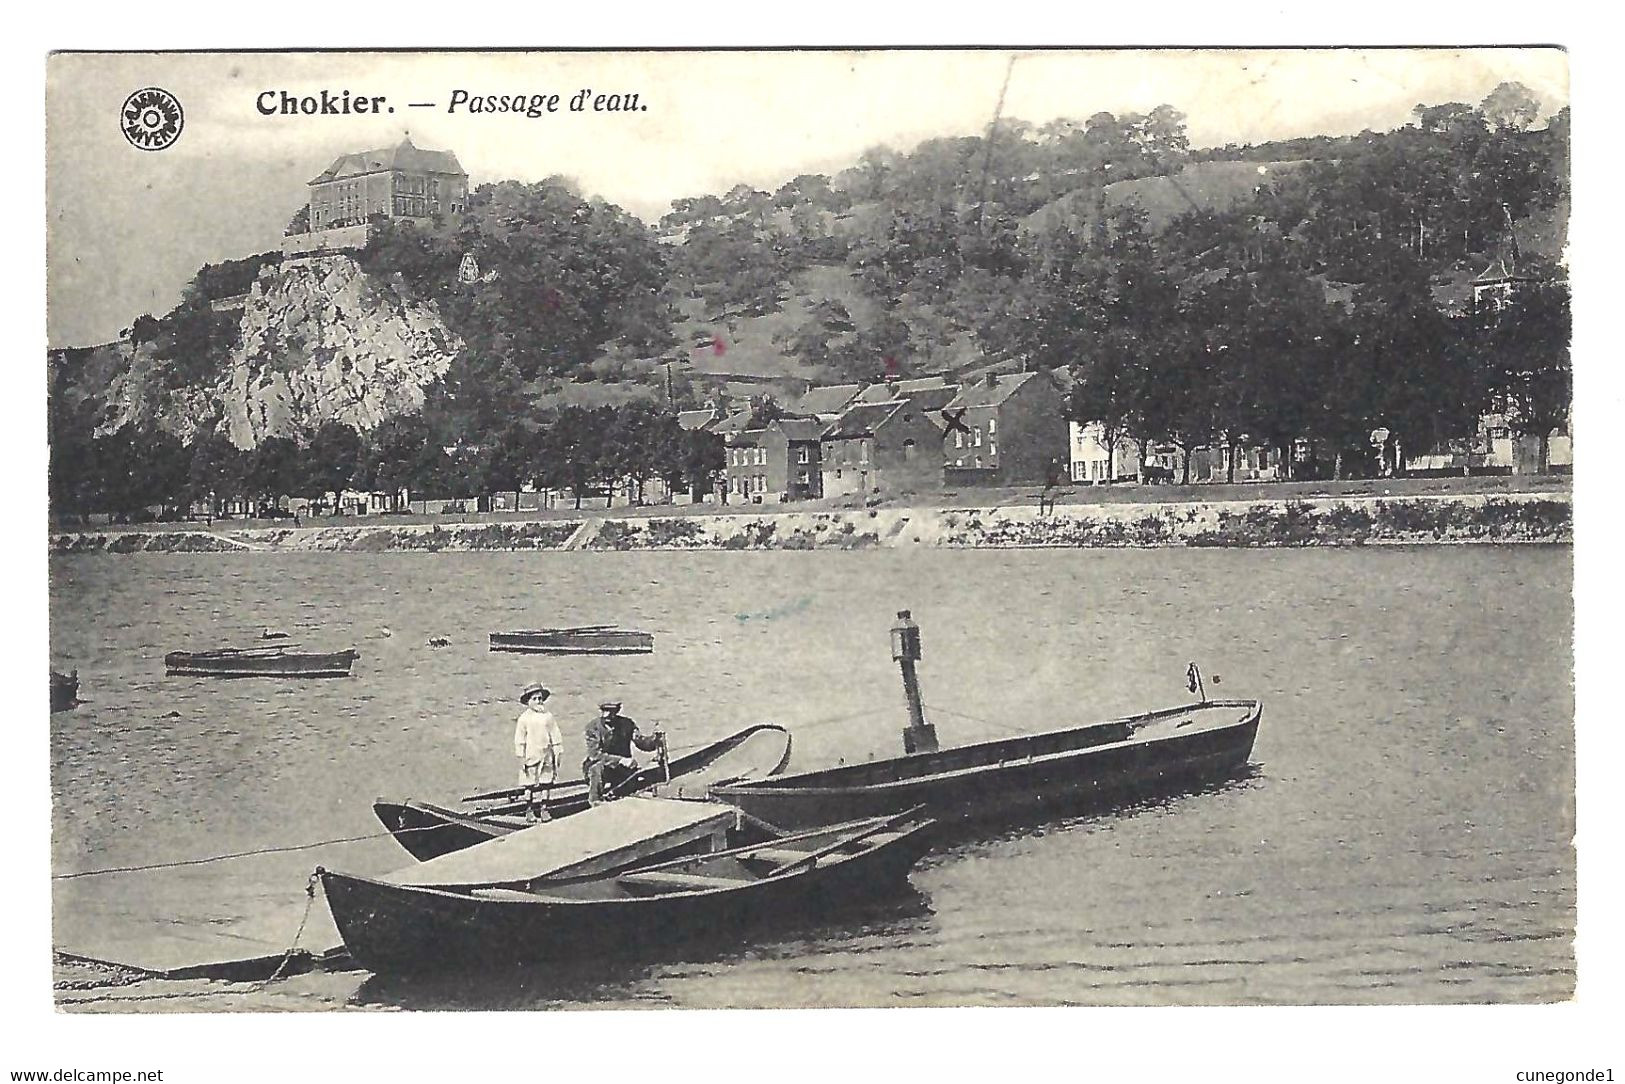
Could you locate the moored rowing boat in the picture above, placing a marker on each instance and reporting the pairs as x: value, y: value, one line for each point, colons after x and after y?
x: 391, y: 926
x: 585, y: 640
x: 260, y: 662
x: 1014, y: 777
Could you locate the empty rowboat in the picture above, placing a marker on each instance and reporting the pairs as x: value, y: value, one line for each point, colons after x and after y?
x: 396, y: 924
x: 1012, y: 777
x: 260, y: 662
x: 584, y: 640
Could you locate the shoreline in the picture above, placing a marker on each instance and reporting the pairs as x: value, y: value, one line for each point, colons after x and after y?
x: 1415, y: 519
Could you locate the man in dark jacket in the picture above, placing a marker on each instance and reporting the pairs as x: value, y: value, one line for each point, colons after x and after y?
x: 610, y: 739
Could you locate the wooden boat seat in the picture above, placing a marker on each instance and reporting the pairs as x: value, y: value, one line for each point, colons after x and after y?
x: 672, y: 881
x: 502, y: 894
x: 783, y: 856
x: 775, y: 856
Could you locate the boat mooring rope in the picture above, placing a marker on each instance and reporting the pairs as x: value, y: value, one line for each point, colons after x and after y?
x: 236, y: 854
x: 1003, y: 728
x: 287, y: 956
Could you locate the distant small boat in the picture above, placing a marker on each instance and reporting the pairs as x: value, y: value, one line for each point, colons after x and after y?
x: 279, y: 661
x: 582, y: 640
x: 64, y: 690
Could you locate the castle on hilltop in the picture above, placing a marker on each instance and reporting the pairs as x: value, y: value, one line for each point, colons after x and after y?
x: 403, y: 181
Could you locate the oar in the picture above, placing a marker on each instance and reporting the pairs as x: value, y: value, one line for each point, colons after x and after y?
x: 514, y: 792
x: 844, y: 841
x: 635, y: 781
x: 518, y: 802
x: 624, y: 786
x: 631, y: 784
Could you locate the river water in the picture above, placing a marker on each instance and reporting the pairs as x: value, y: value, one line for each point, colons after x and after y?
x: 1403, y: 835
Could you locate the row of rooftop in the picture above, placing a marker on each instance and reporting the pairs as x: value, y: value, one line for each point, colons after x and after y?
x: 896, y: 436
x: 1007, y: 429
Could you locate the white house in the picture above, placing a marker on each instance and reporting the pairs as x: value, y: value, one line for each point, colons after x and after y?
x: 1092, y: 462
x: 1089, y: 457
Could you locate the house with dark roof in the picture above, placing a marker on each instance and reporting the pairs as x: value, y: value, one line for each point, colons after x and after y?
x: 886, y: 390
x: 886, y: 447
x: 1005, y: 429
x: 772, y: 459
x: 403, y: 181
x: 792, y: 445
x: 769, y: 454
x: 825, y: 402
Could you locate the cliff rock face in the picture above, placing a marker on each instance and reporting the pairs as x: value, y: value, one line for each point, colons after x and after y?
x: 321, y: 341
x: 135, y: 394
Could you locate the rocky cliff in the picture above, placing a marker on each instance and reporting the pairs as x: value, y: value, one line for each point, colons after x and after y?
x: 135, y: 393
x: 318, y: 340
x: 322, y: 341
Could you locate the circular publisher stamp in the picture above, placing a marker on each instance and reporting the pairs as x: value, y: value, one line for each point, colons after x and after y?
x: 151, y: 119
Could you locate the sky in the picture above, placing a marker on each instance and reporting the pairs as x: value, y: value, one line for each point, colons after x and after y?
x: 127, y: 228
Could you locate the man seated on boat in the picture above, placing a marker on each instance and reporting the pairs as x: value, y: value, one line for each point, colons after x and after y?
x: 610, y: 739
x: 538, y: 745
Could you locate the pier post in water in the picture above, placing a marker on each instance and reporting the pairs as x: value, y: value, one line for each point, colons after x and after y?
x: 919, y: 736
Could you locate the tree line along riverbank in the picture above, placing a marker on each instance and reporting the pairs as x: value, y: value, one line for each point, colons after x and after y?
x: 1339, y: 521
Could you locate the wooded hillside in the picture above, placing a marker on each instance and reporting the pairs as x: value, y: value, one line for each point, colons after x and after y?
x: 1312, y: 287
